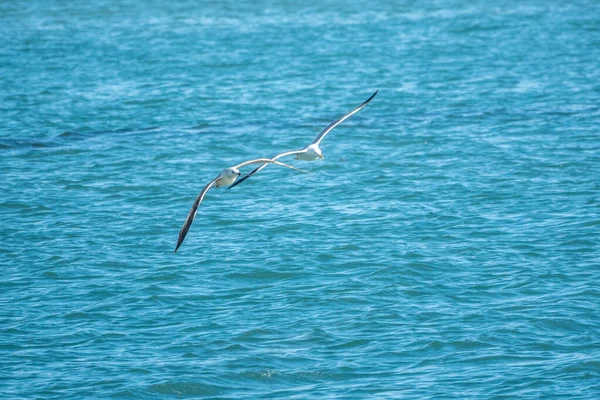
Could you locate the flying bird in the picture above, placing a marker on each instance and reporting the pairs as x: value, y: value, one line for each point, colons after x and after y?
x: 312, y: 151
x: 225, y: 178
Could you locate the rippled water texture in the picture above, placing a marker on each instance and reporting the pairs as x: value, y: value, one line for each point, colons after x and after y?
x: 446, y: 247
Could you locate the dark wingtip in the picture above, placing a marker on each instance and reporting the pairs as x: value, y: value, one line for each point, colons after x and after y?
x: 237, y: 182
x: 369, y: 99
x: 243, y: 179
x: 180, y: 240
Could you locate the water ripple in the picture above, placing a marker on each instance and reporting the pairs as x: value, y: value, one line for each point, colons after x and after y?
x: 447, y: 245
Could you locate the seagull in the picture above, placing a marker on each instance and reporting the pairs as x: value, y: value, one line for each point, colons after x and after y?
x: 312, y: 151
x: 225, y: 178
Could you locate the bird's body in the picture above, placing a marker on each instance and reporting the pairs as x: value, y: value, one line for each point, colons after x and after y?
x: 312, y: 151
x: 226, y: 178
x: 309, y: 153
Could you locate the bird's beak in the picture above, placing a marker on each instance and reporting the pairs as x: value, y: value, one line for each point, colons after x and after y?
x: 321, y: 156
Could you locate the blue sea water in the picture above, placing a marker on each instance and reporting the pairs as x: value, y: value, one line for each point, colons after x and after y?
x: 446, y: 247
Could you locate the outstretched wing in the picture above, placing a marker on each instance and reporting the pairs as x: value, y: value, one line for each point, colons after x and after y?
x: 335, y: 123
x: 190, y: 218
x: 266, y: 161
x: 287, y: 153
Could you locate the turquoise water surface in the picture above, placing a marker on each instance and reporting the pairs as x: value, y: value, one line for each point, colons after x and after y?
x: 447, y: 247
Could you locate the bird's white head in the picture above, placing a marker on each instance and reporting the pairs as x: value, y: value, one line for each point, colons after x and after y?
x: 231, y: 172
